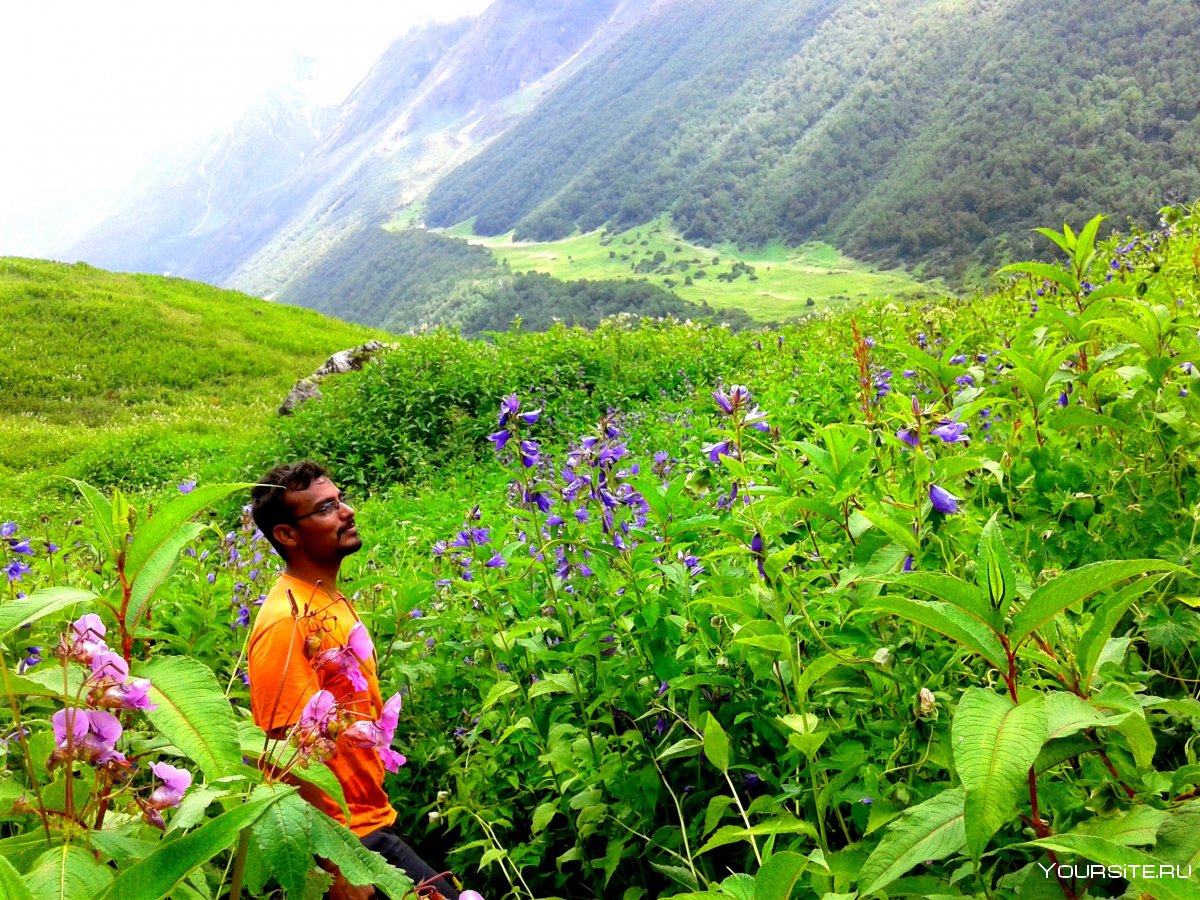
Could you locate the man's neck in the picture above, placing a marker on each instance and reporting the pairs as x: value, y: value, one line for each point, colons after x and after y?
x: 311, y: 573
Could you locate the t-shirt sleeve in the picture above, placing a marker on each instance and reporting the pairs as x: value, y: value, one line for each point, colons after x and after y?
x: 282, y: 679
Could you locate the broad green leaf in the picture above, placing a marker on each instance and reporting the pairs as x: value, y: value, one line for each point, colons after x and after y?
x: 1079, y: 417
x: 1132, y: 727
x: 995, y: 742
x: 717, y: 807
x: 67, y: 872
x: 1179, y: 836
x: 954, y: 623
x: 774, y: 643
x: 1070, y: 587
x: 815, y: 671
x: 497, y: 691
x: 952, y: 590
x: 556, y: 683
x: 121, y: 846
x: 359, y: 865
x: 897, y: 531
x: 154, y: 876
x: 928, y: 831
x: 1104, y: 619
x: 684, y: 747
x: 280, y: 846
x: 102, y: 518
x: 543, y: 816
x: 156, y: 570
x: 155, y: 537
x: 12, y: 886
x: 1067, y: 714
x: 993, y: 569
x: 1138, y: 826
x: 193, y: 713
x: 38, y: 605
x: 22, y: 849
x: 1041, y: 270
x: 780, y: 874
x: 321, y: 776
x: 687, y: 879
x: 1134, y: 863
x: 731, y: 834
x: 716, y: 743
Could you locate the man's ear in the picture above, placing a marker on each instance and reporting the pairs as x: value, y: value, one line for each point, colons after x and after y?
x: 286, y: 535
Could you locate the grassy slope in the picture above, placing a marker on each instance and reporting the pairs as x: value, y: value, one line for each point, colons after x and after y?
x: 785, y: 278
x: 100, y: 363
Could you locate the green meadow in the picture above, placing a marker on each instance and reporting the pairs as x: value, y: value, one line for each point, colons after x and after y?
x: 132, y: 378
x: 771, y: 283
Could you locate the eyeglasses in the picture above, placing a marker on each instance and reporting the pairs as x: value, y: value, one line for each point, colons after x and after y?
x: 325, y: 509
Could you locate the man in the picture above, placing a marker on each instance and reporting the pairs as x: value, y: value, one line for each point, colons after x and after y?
x: 301, y: 643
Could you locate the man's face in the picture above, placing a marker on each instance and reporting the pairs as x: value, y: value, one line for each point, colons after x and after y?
x: 323, y: 525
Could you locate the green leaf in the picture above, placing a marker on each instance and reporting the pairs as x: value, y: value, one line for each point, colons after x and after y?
x: 497, y: 691
x: 1100, y: 628
x: 1138, y: 826
x: 995, y: 742
x: 1067, y: 714
x: 775, y: 643
x: 321, y: 776
x: 1134, y: 863
x: 716, y: 743
x: 359, y: 865
x: 154, y: 876
x: 993, y: 568
x: 1041, y: 270
x: 1070, y: 587
x: 12, y: 886
x: 193, y: 713
x: 157, y: 537
x: 928, y: 831
x: 897, y: 531
x: 779, y: 876
x: 156, y: 571
x: 280, y: 846
x: 952, y: 590
x: 1179, y: 836
x: 543, y: 816
x: 732, y: 834
x: 102, y: 518
x: 950, y: 621
x: 22, y: 849
x: 38, y: 605
x: 67, y: 873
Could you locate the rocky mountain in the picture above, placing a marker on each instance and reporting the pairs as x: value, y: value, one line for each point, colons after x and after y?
x: 934, y: 133
x: 435, y: 98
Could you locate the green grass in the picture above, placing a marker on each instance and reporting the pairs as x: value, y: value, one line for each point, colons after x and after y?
x: 101, y: 366
x: 783, y: 280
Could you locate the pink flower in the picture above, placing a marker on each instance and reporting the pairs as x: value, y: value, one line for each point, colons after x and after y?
x: 346, y: 659
x: 89, y: 735
x: 113, y: 689
x: 379, y: 734
x: 174, y: 783
x: 87, y: 639
x: 316, y: 732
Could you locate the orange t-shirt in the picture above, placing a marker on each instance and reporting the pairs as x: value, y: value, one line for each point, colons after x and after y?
x: 282, y: 680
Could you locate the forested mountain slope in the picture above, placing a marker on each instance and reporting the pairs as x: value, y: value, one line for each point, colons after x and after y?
x: 900, y: 130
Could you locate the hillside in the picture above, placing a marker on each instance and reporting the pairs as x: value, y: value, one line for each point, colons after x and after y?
x: 905, y: 130
x: 104, y: 372
x: 434, y: 98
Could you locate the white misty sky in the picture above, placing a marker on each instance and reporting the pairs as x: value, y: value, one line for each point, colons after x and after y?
x: 91, y: 90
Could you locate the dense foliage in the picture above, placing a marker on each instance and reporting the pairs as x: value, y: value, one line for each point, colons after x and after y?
x: 405, y: 280
x: 898, y: 604
x: 903, y: 131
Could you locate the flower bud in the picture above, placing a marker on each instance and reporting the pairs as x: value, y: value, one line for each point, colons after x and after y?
x: 443, y: 796
x: 926, y: 703
x: 434, y: 815
x: 312, y: 646
x: 883, y: 658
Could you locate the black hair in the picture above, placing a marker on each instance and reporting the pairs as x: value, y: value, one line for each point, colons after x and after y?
x: 267, y: 504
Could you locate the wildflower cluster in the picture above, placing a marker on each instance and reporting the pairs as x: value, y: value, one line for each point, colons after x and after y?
x: 324, y: 722
x: 90, y: 734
